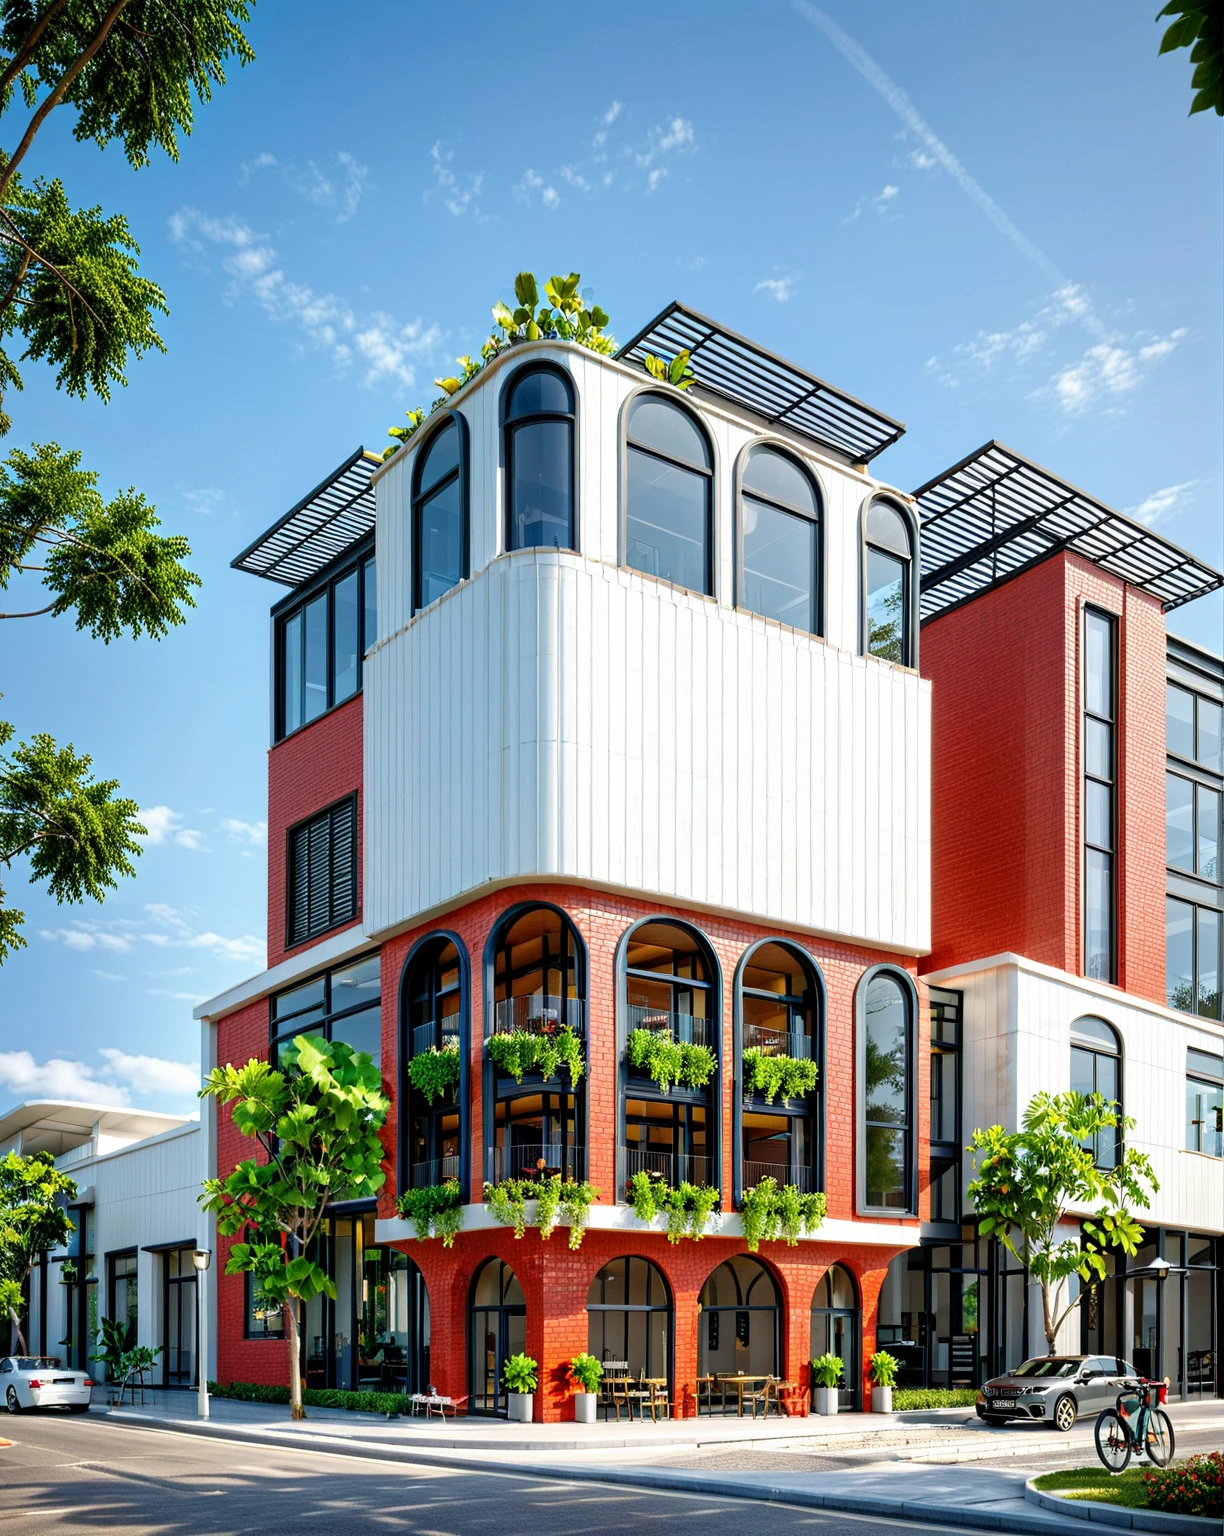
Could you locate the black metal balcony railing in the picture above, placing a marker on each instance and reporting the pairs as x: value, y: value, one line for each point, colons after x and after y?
x: 523, y: 1162
x: 539, y: 1015
x: 674, y: 1167
x: 426, y: 1035
x: 753, y: 1172
x: 778, y: 1042
x: 683, y: 1027
x: 436, y: 1171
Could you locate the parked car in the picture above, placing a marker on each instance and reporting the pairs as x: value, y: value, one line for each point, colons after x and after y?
x: 1056, y: 1389
x: 40, y: 1381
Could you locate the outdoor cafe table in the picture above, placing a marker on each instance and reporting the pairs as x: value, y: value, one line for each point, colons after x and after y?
x: 646, y: 1392
x: 739, y: 1383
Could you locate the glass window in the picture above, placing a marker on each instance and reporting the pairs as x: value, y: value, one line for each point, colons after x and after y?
x: 886, y: 1094
x: 1207, y: 819
x: 346, y: 657
x: 291, y: 674
x: 778, y: 1002
x: 1210, y: 734
x: 1179, y: 821
x: 1207, y: 958
x: 887, y: 601
x: 1096, y: 1068
x: 1098, y: 799
x: 369, y: 592
x: 340, y: 1005
x: 540, y: 460
x: 669, y: 497
x: 439, y: 517
x: 320, y: 645
x: 316, y: 658
x: 1179, y: 721
x: 1204, y: 1103
x: 1192, y: 957
x: 431, y: 1134
x: 780, y: 541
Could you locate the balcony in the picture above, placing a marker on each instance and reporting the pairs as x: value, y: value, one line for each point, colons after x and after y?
x: 674, y: 1168
x: 523, y: 1162
x: 682, y: 1027
x: 539, y: 1015
x: 436, y: 1171
x: 426, y: 1036
x: 778, y: 1042
x: 752, y: 1173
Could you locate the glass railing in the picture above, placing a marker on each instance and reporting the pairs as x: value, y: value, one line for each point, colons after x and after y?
x: 531, y: 1161
x: 436, y: 1171
x: 752, y: 1173
x: 673, y: 1167
x: 683, y: 1027
x: 539, y: 1015
x: 778, y: 1042
x: 446, y: 1038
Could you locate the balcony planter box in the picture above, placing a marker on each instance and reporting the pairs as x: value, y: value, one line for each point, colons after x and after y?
x: 826, y: 1399
x: 518, y: 1409
x: 881, y: 1399
x: 584, y: 1407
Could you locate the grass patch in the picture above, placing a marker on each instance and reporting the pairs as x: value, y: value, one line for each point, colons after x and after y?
x: 932, y: 1397
x: 1097, y: 1484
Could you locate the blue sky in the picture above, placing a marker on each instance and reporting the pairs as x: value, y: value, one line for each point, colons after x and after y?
x: 991, y: 221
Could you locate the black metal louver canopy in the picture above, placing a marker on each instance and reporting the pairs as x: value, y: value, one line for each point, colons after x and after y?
x: 996, y: 514
x: 336, y: 514
x: 782, y: 393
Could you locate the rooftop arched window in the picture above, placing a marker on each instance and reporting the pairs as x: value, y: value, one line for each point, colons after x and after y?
x: 669, y: 494
x: 440, y: 514
x: 780, y: 541
x: 888, y: 585
x: 539, y: 428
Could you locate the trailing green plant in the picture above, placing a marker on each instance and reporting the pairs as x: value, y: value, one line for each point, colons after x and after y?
x: 884, y: 1368
x: 519, y: 1373
x: 555, y: 1197
x: 434, y: 1211
x: 789, y: 1076
x: 769, y: 1211
x: 687, y: 1208
x: 677, y: 372
x: 521, y: 1051
x: 586, y: 1372
x: 827, y: 1370
x: 666, y: 1061
x: 910, y: 1399
x: 435, y: 1073
x: 314, y: 1397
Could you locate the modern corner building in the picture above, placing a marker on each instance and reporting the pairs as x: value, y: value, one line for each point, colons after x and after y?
x: 599, y: 704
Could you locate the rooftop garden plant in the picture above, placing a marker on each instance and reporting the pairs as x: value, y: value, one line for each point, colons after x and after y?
x: 520, y: 1052
x: 567, y: 1201
x: 435, y: 1211
x: 687, y: 1208
x: 769, y: 1211
x: 435, y: 1073
x: 773, y: 1075
x: 666, y: 1061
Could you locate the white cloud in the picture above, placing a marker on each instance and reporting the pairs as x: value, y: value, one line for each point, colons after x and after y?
x: 151, y: 1074
x: 202, y: 501
x: 83, y: 938
x: 654, y: 177
x: 163, y: 928
x: 778, y: 288
x: 676, y: 136
x: 107, y: 975
x: 1162, y: 505
x: 166, y: 826
x: 531, y: 183
x: 343, y: 189
x: 691, y: 264
x: 253, y: 832
x: 550, y: 197
x: 456, y: 199
x: 114, y: 1082
x: 1106, y: 372
x: 921, y: 161
x: 882, y: 203
x: 384, y: 345
x: 613, y: 112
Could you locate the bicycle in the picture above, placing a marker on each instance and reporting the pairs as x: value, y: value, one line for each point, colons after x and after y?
x: 1151, y: 1434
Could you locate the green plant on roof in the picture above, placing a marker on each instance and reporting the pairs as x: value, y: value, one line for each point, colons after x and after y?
x: 677, y: 372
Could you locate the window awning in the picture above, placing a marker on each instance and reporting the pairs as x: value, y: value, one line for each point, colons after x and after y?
x: 996, y: 514
x: 335, y: 515
x: 782, y: 393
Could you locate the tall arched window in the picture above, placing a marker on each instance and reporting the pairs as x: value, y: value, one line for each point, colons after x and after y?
x: 739, y: 1321
x: 837, y: 1329
x: 433, y: 1007
x: 439, y: 514
x: 1096, y: 1067
x: 778, y: 1002
x: 669, y: 494
x: 538, y: 988
x: 886, y: 1076
x: 671, y: 997
x: 497, y: 1329
x: 539, y: 427
x: 779, y: 541
x: 888, y: 595
x: 629, y: 1317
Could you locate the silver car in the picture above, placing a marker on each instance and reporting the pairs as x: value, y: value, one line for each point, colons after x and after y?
x: 40, y: 1381
x: 1055, y: 1389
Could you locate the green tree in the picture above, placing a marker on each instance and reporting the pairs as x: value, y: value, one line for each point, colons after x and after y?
x: 316, y: 1123
x: 1199, y: 27
x: 33, y: 1221
x: 71, y: 297
x: 1031, y: 1181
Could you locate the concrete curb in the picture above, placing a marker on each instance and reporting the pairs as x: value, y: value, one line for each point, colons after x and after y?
x: 1117, y: 1515
x: 697, y: 1484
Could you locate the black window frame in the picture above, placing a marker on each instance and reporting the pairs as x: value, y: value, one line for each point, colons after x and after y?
x: 512, y: 425
x: 1197, y: 968
x: 947, y: 1013
x: 708, y: 475
x: 1197, y: 699
x: 427, y: 952
x: 755, y: 450
x: 909, y: 587
x: 1110, y: 784
x: 363, y: 560
x: 320, y: 1018
x: 1207, y: 1070
x: 451, y: 421
x: 1196, y: 784
x: 1095, y: 1048
x: 294, y: 939
x: 909, y: 1129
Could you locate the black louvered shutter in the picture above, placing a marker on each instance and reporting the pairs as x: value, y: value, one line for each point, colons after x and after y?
x: 320, y: 870
x: 299, y: 885
x: 323, y: 872
x: 343, y: 868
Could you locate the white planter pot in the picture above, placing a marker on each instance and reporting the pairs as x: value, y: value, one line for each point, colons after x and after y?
x: 584, y: 1407
x: 881, y: 1399
x: 826, y: 1399
x: 519, y: 1407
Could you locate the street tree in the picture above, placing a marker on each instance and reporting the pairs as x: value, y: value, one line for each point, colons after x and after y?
x: 1199, y: 27
x: 1032, y: 1181
x: 34, y: 1219
x: 316, y: 1123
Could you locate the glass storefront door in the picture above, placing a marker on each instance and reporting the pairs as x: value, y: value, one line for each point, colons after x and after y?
x: 179, y: 1359
x: 497, y: 1329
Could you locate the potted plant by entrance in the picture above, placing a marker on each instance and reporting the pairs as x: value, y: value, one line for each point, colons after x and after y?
x: 586, y: 1372
x: 883, y: 1378
x: 827, y: 1373
x: 519, y: 1375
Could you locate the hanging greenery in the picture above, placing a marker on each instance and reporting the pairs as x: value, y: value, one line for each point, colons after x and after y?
x: 666, y: 1061
x: 789, y: 1076
x: 435, y: 1211
x: 557, y: 1199
x: 769, y: 1211
x: 435, y: 1073
x: 521, y: 1052
x: 687, y: 1208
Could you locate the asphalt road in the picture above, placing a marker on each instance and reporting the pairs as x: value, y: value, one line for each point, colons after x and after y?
x: 77, y: 1475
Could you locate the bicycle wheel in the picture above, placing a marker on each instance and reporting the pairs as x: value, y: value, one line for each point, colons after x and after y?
x: 1159, y: 1437
x: 1113, y: 1441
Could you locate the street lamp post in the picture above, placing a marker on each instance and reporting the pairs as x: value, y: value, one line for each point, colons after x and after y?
x: 201, y: 1258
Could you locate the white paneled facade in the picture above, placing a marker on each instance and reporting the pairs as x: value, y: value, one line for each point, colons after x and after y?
x: 559, y: 715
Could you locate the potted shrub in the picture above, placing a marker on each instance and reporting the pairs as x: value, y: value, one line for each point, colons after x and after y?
x: 586, y: 1372
x: 883, y: 1379
x: 827, y: 1373
x: 519, y: 1375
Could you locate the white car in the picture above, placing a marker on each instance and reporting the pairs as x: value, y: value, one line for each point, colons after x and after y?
x: 39, y: 1381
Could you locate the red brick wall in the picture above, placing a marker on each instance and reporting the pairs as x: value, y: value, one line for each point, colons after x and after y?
x: 311, y: 769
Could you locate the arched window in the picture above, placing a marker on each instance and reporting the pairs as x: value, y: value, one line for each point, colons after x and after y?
x: 538, y: 988
x: 395, y: 1320
x: 739, y: 1321
x: 433, y: 1006
x: 837, y: 1329
x: 1096, y: 1067
x: 539, y: 427
x: 669, y: 494
x: 778, y: 1000
x: 779, y: 541
x: 497, y: 1329
x: 629, y: 1317
x: 888, y: 598
x: 439, y: 514
x: 885, y: 1029
x: 670, y: 995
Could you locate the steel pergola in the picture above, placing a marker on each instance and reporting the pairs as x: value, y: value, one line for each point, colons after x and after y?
x: 334, y: 516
